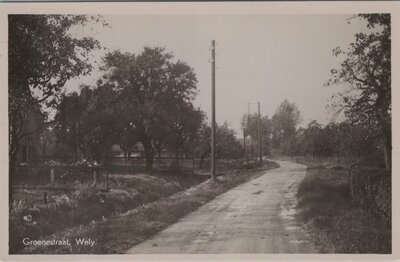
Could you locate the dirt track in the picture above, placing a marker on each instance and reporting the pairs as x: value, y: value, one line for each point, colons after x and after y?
x: 255, y: 217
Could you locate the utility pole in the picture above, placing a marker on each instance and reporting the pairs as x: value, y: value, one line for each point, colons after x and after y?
x: 244, y: 146
x: 213, y: 110
x: 259, y: 142
x: 259, y: 134
x: 248, y: 128
x: 244, y: 139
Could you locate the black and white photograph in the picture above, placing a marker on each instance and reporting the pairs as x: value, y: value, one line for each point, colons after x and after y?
x: 209, y: 133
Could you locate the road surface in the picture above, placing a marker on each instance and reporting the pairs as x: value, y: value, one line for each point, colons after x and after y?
x: 255, y: 217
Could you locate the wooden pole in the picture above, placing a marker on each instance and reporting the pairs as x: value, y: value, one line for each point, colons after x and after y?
x: 193, y: 160
x: 259, y: 134
x: 52, y: 176
x: 107, y: 186
x: 248, y: 128
x: 213, y: 110
x: 94, y: 176
x: 244, y: 140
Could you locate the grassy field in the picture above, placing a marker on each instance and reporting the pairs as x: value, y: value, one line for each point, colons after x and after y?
x: 86, y: 204
x: 118, y: 232
x: 332, y: 219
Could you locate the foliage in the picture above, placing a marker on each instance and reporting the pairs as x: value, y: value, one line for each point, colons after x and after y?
x: 88, y: 205
x: 365, y: 74
x: 227, y: 145
x: 43, y: 55
x: 336, y: 222
x: 343, y: 139
x: 250, y: 123
x: 284, y: 121
x: 158, y: 94
x: 90, y: 123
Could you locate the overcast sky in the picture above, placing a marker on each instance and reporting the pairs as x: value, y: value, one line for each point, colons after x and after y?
x: 266, y: 58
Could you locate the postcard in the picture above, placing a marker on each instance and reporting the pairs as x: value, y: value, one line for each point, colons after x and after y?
x: 200, y: 130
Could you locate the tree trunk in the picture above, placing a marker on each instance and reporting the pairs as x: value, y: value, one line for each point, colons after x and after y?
x: 149, y: 154
x: 387, y: 135
x: 159, y: 158
x: 201, y: 162
x: 11, y: 175
x: 202, y: 156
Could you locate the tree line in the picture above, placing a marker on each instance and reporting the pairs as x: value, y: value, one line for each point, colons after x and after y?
x: 281, y: 135
x: 364, y: 105
x: 144, y: 98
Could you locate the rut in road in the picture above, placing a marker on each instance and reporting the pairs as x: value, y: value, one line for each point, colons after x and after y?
x: 255, y: 217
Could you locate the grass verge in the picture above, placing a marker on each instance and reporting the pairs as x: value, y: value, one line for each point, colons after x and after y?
x: 333, y: 220
x: 68, y: 209
x: 118, y: 233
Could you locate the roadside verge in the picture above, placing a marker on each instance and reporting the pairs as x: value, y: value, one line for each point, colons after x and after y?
x: 334, y: 220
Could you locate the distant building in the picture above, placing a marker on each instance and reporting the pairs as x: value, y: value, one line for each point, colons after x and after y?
x: 136, y: 151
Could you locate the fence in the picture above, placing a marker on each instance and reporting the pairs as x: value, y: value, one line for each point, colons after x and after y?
x: 67, y: 177
x: 45, y: 174
x: 185, y: 165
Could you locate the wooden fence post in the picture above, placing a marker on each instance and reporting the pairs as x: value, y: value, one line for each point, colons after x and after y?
x: 52, y: 176
x: 107, y: 188
x: 94, y: 176
x: 45, y: 198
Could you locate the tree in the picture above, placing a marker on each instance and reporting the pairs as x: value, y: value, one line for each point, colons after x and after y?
x: 69, y: 124
x: 365, y: 74
x: 227, y: 146
x: 127, y: 140
x: 315, y: 141
x: 158, y: 94
x: 42, y: 56
x: 250, y: 123
x: 284, y: 123
x: 182, y: 128
x: 91, y: 122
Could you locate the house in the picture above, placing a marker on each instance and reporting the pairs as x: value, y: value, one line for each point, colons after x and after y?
x: 136, y: 151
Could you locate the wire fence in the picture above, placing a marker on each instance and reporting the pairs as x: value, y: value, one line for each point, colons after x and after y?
x: 64, y: 170
x: 67, y: 177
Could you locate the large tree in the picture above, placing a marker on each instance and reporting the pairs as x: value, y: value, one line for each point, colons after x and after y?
x: 365, y: 74
x: 284, y: 123
x: 158, y: 93
x: 42, y: 56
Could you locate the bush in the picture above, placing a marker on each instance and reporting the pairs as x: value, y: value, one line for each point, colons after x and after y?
x: 371, y: 188
x: 334, y: 217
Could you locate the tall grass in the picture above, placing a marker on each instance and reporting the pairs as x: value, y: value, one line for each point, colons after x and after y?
x: 334, y: 221
x: 88, y: 204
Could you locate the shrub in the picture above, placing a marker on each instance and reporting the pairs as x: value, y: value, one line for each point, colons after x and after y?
x: 371, y: 188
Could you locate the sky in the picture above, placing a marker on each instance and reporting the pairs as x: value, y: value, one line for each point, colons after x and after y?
x: 259, y: 58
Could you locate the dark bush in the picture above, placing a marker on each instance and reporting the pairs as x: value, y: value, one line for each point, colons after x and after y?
x: 371, y: 188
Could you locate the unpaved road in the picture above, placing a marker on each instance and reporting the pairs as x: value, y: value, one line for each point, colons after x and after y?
x: 255, y: 217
